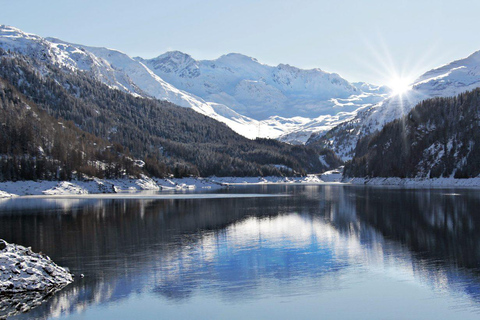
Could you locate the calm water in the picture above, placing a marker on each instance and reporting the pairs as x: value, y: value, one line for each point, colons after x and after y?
x: 323, y: 252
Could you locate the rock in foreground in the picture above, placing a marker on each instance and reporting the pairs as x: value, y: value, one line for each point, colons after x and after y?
x: 22, y: 270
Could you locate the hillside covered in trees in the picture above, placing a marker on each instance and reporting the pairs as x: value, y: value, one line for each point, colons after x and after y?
x: 439, y: 138
x: 35, y: 145
x: 70, y: 120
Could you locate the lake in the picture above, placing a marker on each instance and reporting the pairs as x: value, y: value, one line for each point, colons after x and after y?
x: 264, y: 252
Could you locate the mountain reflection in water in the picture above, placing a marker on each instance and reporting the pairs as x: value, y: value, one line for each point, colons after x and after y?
x: 251, y: 249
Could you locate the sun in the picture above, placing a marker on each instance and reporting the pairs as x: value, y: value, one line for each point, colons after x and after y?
x: 399, y: 85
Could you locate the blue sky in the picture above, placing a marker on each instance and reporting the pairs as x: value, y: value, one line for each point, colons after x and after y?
x: 366, y: 40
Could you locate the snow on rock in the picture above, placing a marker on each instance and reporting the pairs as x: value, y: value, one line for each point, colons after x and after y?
x: 65, y: 187
x: 187, y: 184
x: 23, y: 270
x: 4, y: 194
x: 95, y: 185
x: 332, y: 175
x: 23, y: 188
x: 129, y: 185
x: 231, y: 181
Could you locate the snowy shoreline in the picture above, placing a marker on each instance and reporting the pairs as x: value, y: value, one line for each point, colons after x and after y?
x: 416, y: 182
x: 105, y: 186
x: 100, y: 186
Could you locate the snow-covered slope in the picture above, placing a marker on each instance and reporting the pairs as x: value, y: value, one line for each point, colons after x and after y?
x: 251, y: 88
x: 451, y: 79
x: 445, y: 81
x: 254, y: 99
x: 111, y: 67
x: 65, y: 55
x: 284, y: 98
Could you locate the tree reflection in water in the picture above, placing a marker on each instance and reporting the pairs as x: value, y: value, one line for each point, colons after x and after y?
x: 252, y: 247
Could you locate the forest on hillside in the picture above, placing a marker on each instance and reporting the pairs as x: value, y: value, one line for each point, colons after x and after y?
x: 440, y: 137
x: 170, y: 140
x: 36, y: 146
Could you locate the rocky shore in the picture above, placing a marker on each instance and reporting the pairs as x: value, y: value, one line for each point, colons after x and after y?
x: 24, y: 270
x: 27, y: 278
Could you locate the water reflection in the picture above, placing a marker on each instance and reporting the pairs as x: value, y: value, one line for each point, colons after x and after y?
x: 251, y: 249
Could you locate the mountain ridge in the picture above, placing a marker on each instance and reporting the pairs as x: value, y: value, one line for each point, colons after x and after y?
x: 321, y: 111
x: 233, y: 79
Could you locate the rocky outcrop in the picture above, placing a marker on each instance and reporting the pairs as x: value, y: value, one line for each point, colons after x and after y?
x: 23, y: 270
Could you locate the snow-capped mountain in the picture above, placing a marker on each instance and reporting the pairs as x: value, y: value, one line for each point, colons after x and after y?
x: 117, y: 70
x: 445, y: 81
x: 252, y: 88
x: 300, y: 101
x: 451, y: 79
x: 65, y: 55
x: 254, y: 99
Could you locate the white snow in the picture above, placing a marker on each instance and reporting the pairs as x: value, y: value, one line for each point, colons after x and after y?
x: 332, y: 175
x: 251, y: 88
x: 254, y: 99
x: 231, y: 181
x: 4, y: 194
x: 23, y: 270
x: 271, y: 97
x: 95, y: 186
x: 323, y: 161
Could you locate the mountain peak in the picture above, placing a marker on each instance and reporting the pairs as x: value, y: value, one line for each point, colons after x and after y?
x: 475, y: 55
x: 175, y: 62
x: 236, y: 58
x: 5, y: 28
x: 174, y: 54
x: 286, y: 66
x: 12, y: 33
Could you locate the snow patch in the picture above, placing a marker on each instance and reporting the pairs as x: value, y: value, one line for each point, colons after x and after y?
x: 332, y: 175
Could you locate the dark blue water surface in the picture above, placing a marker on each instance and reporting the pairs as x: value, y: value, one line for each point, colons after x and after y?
x: 322, y: 252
